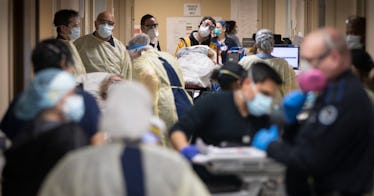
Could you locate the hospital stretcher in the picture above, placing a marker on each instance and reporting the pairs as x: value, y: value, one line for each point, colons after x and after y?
x: 260, y: 175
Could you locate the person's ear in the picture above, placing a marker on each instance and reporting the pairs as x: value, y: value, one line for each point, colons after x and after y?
x: 96, y: 25
x: 64, y: 29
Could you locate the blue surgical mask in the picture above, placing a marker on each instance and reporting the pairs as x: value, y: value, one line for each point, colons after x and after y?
x: 105, y: 30
x: 217, y: 32
x: 354, y: 42
x: 73, y: 108
x: 260, y: 104
x: 75, y: 32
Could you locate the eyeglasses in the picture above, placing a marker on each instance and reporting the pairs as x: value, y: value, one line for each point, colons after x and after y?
x: 317, y: 60
x: 103, y: 21
x: 151, y: 26
x: 211, y: 26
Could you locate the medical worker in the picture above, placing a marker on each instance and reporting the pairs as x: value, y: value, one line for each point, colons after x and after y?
x: 101, y: 52
x: 232, y: 30
x: 223, y: 42
x: 355, y: 29
x: 124, y: 166
x: 229, y: 118
x: 53, y: 107
x: 149, y: 26
x: 162, y: 75
x: 331, y: 153
x: 53, y: 53
x: 228, y: 77
x: 265, y: 45
x: 200, y: 37
x: 67, y: 23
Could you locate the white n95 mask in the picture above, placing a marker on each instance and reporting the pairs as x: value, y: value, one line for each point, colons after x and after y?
x: 204, y: 31
x: 73, y: 108
x: 75, y: 33
x: 105, y: 30
x: 153, y: 33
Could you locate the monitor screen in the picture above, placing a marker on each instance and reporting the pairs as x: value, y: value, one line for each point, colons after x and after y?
x: 290, y: 53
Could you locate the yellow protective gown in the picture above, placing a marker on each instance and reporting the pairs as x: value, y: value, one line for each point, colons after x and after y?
x: 79, y: 68
x: 282, y: 67
x: 99, y: 56
x: 98, y: 171
x: 149, y: 70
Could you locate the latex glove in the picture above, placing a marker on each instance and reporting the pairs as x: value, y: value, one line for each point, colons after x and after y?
x: 189, y: 151
x: 263, y: 137
x: 292, y: 104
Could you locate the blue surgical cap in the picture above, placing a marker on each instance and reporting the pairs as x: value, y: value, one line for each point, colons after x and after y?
x: 44, y: 91
x: 223, y: 23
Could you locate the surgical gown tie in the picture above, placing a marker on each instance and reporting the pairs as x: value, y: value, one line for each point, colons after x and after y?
x: 181, y: 100
x: 131, y: 160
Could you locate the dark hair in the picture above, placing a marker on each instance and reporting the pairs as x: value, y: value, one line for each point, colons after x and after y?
x: 260, y: 72
x: 356, y: 25
x: 62, y: 17
x: 49, y: 54
x: 208, y: 18
x: 230, y: 26
x: 362, y: 61
x: 144, y: 18
x: 228, y: 74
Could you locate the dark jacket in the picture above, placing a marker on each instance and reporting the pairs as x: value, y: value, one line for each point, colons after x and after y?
x: 334, y: 147
x: 35, y: 152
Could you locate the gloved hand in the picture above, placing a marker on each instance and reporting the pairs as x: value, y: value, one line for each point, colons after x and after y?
x: 292, y: 104
x: 189, y: 151
x: 263, y: 137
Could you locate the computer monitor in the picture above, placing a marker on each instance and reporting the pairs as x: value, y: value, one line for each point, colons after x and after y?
x: 290, y: 53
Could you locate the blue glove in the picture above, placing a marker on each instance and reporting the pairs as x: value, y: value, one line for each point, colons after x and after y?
x: 293, y: 103
x: 263, y: 137
x: 189, y: 151
x: 216, y: 87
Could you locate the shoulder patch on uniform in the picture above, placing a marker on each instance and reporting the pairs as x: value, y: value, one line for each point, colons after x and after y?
x: 328, y: 115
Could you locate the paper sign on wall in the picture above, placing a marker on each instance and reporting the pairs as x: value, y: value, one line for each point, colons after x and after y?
x: 192, y: 9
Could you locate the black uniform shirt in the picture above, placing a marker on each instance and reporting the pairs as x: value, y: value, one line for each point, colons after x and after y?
x: 216, y: 119
x: 335, y: 144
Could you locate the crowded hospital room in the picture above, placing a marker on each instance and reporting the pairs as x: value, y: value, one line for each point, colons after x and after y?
x: 187, y: 98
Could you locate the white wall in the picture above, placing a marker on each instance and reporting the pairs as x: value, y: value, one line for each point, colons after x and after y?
x: 244, y: 12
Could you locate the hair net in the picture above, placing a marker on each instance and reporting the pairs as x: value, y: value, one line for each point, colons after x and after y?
x: 223, y: 23
x: 265, y: 39
x: 138, y: 43
x: 45, y: 90
x: 128, y: 111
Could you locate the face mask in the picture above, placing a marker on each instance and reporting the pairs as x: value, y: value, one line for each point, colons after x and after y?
x: 105, y: 30
x: 312, y: 80
x: 260, y: 104
x: 204, y: 31
x: 73, y: 108
x: 217, y: 31
x: 75, y: 33
x: 354, y: 41
x: 153, y: 33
